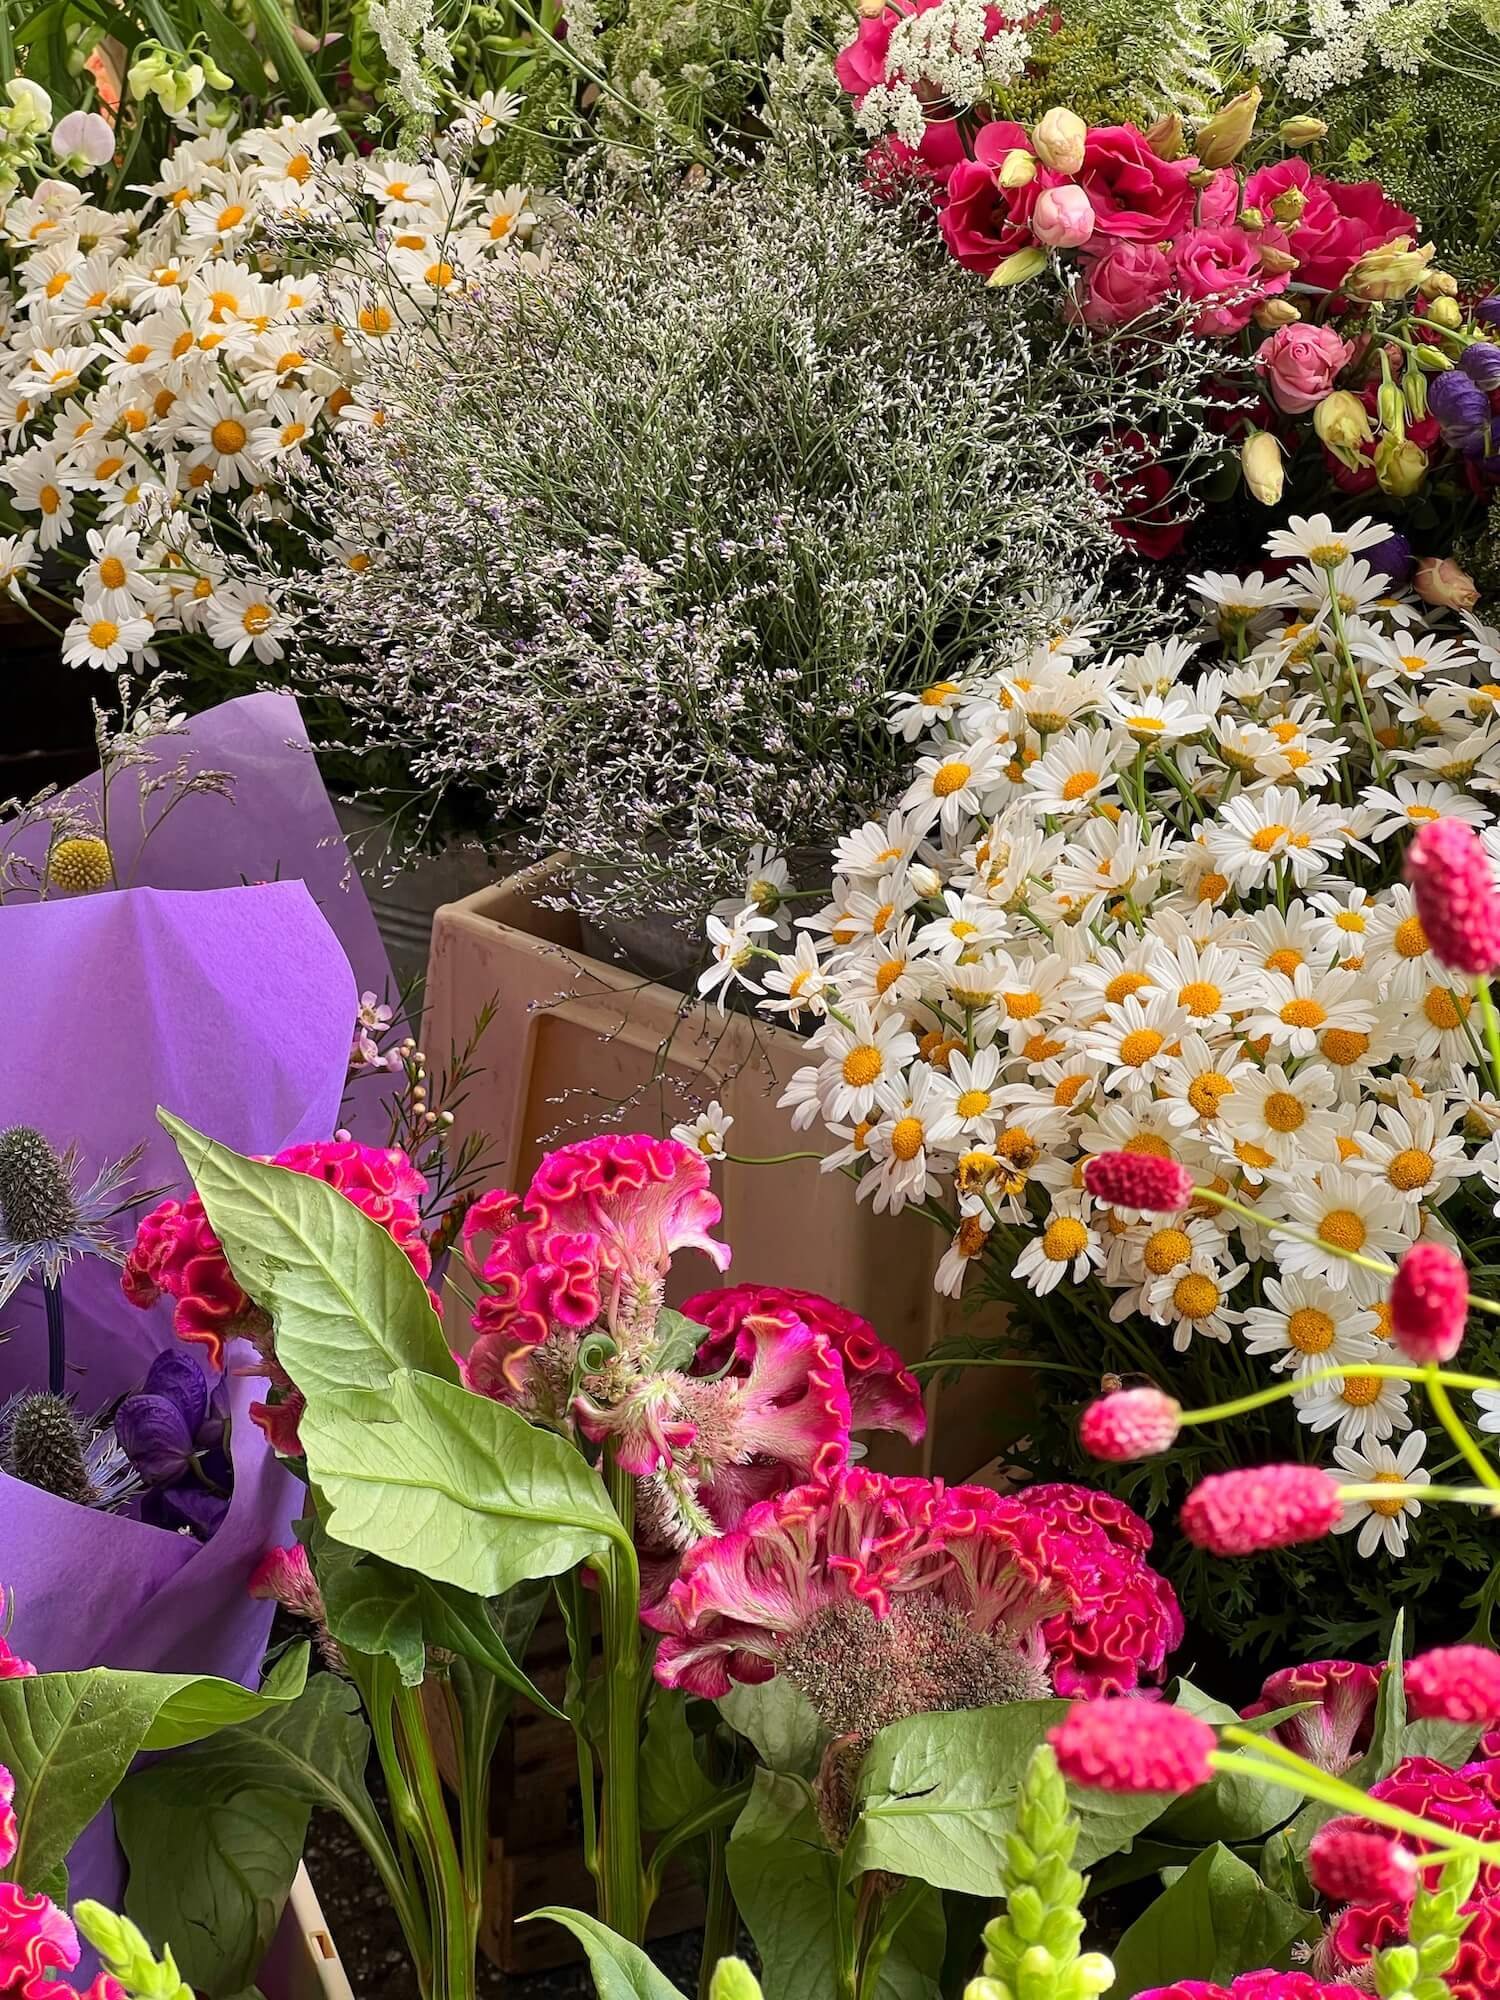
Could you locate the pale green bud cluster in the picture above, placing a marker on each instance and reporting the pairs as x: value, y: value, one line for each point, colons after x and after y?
x: 24, y: 116
x: 733, y: 1980
x: 1414, y: 1970
x: 173, y: 76
x: 127, y: 1954
x: 1031, y: 1951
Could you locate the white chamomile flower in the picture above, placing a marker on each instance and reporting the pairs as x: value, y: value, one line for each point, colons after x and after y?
x: 1291, y: 1014
x: 1135, y: 1040
x: 1279, y: 1119
x: 796, y: 983
x: 1194, y: 1301
x: 950, y: 788
x: 1362, y: 1408
x: 735, y: 946
x: 1072, y: 774
x: 912, y: 715
x: 95, y: 639
x: 707, y: 1133
x: 1064, y: 1250
x: 241, y: 619
x: 967, y: 1245
x: 1256, y: 835
x: 864, y: 1061
x: 1309, y: 1326
x: 1382, y: 1523
x: 1315, y: 539
x: 1348, y: 1214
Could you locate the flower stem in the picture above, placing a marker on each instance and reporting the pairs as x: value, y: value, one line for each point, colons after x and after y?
x: 453, y: 1967
x: 1457, y: 1429
x: 621, y: 1884
x: 1491, y: 1021
x: 57, y: 1339
x: 1384, y: 1371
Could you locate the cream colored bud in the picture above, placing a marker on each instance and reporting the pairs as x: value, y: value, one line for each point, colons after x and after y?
x: 1165, y: 137
x: 1227, y: 133
x: 1276, y: 312
x: 1260, y: 462
x: 1445, y: 312
x: 1414, y: 389
x: 1059, y: 139
x: 1017, y: 169
x: 1439, y: 285
x: 1342, y: 421
x: 1251, y: 219
x: 1301, y: 131
x: 1288, y: 206
x: 1201, y: 177
x: 1400, y: 466
x: 1276, y: 263
x: 1019, y: 267
x: 1389, y: 273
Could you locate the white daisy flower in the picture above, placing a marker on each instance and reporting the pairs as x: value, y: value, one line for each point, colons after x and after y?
x: 1382, y: 1523
x: 1363, y: 1409
x: 707, y: 1132
x: 1315, y: 539
x: 1065, y: 1249
x: 1309, y: 1326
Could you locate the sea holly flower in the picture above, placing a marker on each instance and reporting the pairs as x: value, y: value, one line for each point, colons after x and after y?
x: 1334, y: 1733
x: 47, y: 1216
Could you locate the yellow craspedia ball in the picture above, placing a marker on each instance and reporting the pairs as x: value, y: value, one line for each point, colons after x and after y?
x: 80, y: 864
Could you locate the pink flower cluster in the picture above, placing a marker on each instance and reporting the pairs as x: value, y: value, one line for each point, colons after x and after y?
x: 883, y: 1596
x: 177, y: 1255
x: 1453, y: 886
x: 12, y: 1668
x: 1257, y: 1986
x: 38, y: 1943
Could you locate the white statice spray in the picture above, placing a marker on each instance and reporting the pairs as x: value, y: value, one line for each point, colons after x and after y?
x: 946, y: 59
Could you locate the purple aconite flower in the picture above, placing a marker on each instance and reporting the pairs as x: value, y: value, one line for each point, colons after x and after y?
x: 1461, y: 408
x: 1480, y: 361
x: 173, y: 1432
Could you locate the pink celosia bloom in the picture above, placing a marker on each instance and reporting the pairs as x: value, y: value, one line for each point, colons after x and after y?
x: 1348, y: 1863
x: 36, y: 1941
x: 1337, y: 1732
x: 1255, y: 1986
x: 1466, y: 1800
x: 883, y: 1394
x: 1139, y: 1181
x: 1429, y: 1304
x: 285, y: 1575
x: 1454, y: 892
x: 1455, y: 1683
x: 1129, y: 1744
x: 12, y: 1668
x: 1365, y: 1928
x: 1126, y: 1620
x: 641, y: 1199
x: 1267, y: 1507
x: 8, y: 1838
x: 1130, y: 1423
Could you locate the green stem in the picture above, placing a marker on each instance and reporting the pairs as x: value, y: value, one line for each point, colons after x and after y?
x: 1454, y: 1425
x: 378, y: 1688
x: 1491, y: 1021
x: 453, y: 1972
x: 474, y: 1762
x: 1384, y: 1371
x: 711, y: 1818
x: 622, y: 1882
x: 1458, y: 1496
x: 1274, y: 1761
x: 893, y: 1914
x: 721, y: 1926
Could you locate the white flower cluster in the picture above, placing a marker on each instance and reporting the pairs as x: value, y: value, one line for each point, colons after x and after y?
x: 1348, y: 37
x: 163, y: 364
x: 1153, y: 903
x: 941, y: 63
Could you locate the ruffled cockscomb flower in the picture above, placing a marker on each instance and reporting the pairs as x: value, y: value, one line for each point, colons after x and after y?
x: 1357, y: 1933
x: 1256, y: 1986
x: 37, y: 1941
x: 1348, y: 1863
x: 883, y: 1394
x: 1429, y: 1304
x: 1466, y: 1801
x: 878, y: 1597
x: 285, y: 1577
x: 8, y: 1834
x: 1130, y: 1423
x: 12, y: 1667
x: 1266, y: 1507
x: 1455, y: 1684
x: 1140, y: 1181
x: 1336, y: 1731
x: 1455, y: 896
x: 1130, y: 1744
x: 536, y: 1283
x: 1123, y: 1618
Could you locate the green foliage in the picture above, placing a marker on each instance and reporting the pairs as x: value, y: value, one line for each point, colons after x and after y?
x: 1217, y: 1919
x: 126, y: 1954
x: 1435, y: 1931
x: 621, y: 1970
x: 733, y: 1980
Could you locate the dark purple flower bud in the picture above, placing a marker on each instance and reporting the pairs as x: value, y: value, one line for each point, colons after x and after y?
x: 177, y: 1376
x: 1461, y: 407
x: 1480, y: 361
x: 153, y: 1434
x: 1392, y: 557
x: 185, y: 1505
x: 1488, y: 310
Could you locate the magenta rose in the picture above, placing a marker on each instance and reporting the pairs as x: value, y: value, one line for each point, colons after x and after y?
x: 1122, y: 281
x: 1299, y: 364
x: 862, y: 65
x: 1218, y: 269
x: 982, y: 222
x: 1134, y: 193
x: 1342, y: 220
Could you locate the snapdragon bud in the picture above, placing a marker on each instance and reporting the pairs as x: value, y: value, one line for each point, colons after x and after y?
x: 1400, y: 466
x: 1445, y: 312
x: 1288, y: 206
x: 1260, y: 462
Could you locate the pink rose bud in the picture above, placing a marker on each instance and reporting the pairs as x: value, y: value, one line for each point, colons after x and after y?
x: 1348, y: 1863
x: 1063, y: 218
x: 1429, y: 1304
x: 1455, y: 1684
x: 1132, y: 1423
x: 1128, y: 1744
x: 1267, y: 1507
x: 1454, y: 891
x: 1139, y: 1180
x: 1439, y: 580
x: 1300, y: 364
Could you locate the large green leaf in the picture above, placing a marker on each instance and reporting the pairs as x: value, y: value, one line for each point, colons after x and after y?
x: 214, y: 1834
x: 1216, y: 1920
x: 621, y: 1971
x: 452, y: 1485
x: 673, y: 1782
x: 68, y: 1740
x: 779, y: 1720
x: 937, y: 1797
x: 349, y: 1309
x: 1237, y: 1805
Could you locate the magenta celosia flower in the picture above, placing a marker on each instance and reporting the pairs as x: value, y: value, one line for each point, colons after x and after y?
x: 1140, y: 1181
x: 1429, y: 1304
x: 1334, y: 1734
x: 1348, y: 1863
x: 285, y: 1576
x: 37, y: 1941
x: 1454, y: 892
x: 1130, y: 1423
x: 1130, y: 1744
x: 1455, y: 1683
x: 1354, y: 1937
x: 1126, y: 1620
x: 12, y: 1667
x: 1266, y: 1507
x: 1466, y: 1800
x: 8, y: 1836
x: 1256, y: 1986
x: 883, y: 1394
x: 641, y: 1199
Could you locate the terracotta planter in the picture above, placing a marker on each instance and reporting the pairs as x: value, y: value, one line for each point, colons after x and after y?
x: 578, y: 1046
x: 303, y: 1962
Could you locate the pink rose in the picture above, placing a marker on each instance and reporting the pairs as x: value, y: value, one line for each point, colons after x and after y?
x: 982, y: 222
x: 1122, y: 281
x: 1341, y: 221
x: 1062, y: 218
x: 1133, y: 192
x: 1219, y: 269
x: 1301, y: 363
x: 1220, y: 200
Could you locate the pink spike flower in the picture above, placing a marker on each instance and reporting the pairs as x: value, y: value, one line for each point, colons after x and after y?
x: 1139, y: 1181
x: 1337, y: 1732
x: 1131, y: 1744
x: 1454, y: 890
x: 1266, y: 1507
x: 1455, y: 1684
x: 1429, y: 1304
x: 1130, y: 1423
x: 1349, y: 1863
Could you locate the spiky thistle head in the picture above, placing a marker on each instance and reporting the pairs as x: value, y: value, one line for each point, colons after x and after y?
x: 38, y: 1203
x: 45, y: 1443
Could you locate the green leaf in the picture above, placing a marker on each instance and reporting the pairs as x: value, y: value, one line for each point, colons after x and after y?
x: 214, y: 1834
x: 673, y: 1782
x: 779, y: 1721
x: 1235, y: 1806
x: 453, y: 1486
x: 621, y: 1971
x: 232, y: 50
x: 937, y: 1797
x: 1217, y: 1919
x: 349, y: 1309
x: 68, y: 1740
x: 678, y: 1339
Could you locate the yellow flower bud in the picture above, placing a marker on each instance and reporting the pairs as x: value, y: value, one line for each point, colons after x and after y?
x: 1260, y: 462
x: 1400, y: 466
x: 1445, y: 312
x: 1165, y: 137
x: 1414, y: 389
x: 1432, y: 360
x: 1276, y: 312
x: 1227, y: 133
x: 1439, y: 285
x: 1390, y: 408
x: 1388, y: 273
x: 1017, y: 169
x: 1341, y: 421
x: 1301, y: 131
x: 1251, y: 219
x: 1019, y: 267
x: 1059, y: 138
x: 1288, y: 206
